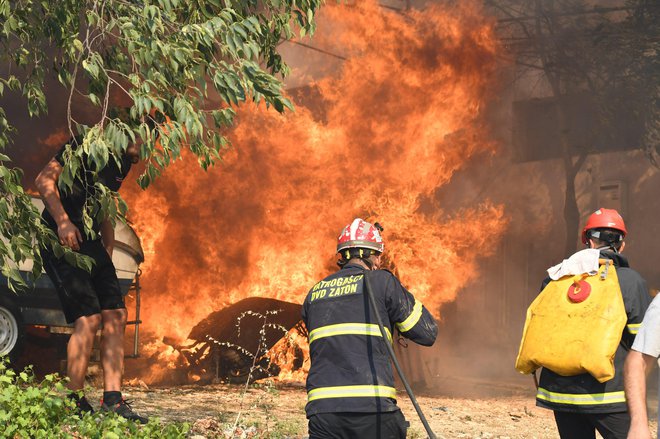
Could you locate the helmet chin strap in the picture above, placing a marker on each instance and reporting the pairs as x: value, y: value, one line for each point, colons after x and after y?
x: 608, y: 247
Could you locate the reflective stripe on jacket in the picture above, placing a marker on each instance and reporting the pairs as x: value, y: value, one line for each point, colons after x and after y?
x: 581, y: 398
x: 350, y: 370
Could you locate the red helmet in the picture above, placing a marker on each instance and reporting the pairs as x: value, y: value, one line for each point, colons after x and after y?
x: 360, y: 234
x: 604, y: 219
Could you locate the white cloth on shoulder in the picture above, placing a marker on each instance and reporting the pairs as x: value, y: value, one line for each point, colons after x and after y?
x: 584, y: 261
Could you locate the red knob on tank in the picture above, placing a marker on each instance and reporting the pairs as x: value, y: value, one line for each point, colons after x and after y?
x: 579, y: 291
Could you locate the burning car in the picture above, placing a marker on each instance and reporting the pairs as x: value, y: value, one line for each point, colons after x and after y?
x: 239, y: 342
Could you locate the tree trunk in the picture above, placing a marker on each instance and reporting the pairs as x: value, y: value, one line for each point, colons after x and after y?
x: 571, y: 169
x: 571, y: 213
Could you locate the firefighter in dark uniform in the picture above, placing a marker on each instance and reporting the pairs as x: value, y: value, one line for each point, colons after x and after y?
x: 580, y: 403
x: 350, y: 386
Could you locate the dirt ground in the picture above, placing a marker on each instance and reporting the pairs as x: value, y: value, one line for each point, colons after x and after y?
x: 276, y: 410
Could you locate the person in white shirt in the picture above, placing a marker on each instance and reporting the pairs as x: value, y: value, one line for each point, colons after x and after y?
x: 645, y: 351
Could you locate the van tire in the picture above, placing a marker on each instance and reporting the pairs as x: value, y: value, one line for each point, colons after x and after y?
x: 12, y: 329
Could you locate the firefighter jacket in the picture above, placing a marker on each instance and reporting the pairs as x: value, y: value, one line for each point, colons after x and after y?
x: 350, y: 369
x: 583, y: 393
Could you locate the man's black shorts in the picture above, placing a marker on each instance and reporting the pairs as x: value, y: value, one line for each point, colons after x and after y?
x: 82, y: 293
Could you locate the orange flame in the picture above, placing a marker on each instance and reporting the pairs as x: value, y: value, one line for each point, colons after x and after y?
x: 401, y: 117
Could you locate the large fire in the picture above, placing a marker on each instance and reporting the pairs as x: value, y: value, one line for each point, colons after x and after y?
x: 400, y: 117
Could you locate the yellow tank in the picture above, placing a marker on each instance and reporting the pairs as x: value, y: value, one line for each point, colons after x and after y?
x: 575, y: 325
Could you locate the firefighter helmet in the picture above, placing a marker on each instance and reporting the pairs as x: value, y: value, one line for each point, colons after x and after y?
x: 604, y: 219
x: 360, y: 234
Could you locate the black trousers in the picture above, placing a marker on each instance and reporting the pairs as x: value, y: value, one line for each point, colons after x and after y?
x: 390, y: 425
x: 584, y: 425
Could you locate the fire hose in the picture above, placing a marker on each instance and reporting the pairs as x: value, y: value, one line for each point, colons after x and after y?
x: 390, y: 351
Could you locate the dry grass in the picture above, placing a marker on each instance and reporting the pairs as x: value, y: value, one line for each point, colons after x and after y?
x: 277, y: 410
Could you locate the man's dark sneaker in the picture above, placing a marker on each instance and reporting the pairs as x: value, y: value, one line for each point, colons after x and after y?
x: 82, y: 405
x: 123, y: 408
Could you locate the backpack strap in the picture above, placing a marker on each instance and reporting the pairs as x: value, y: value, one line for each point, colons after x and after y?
x: 606, y: 263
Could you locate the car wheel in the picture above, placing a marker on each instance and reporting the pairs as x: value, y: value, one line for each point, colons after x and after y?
x: 12, y: 331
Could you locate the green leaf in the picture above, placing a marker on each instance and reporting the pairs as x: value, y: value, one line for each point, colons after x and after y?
x: 77, y: 44
x: 91, y: 68
x: 15, y: 281
x: 230, y: 43
x: 100, y: 155
x: 94, y: 99
x: 87, y: 221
